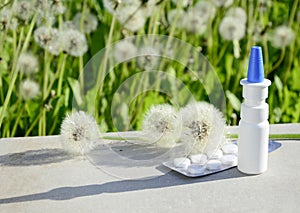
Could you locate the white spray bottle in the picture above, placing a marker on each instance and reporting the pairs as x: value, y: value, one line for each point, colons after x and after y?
x: 253, y: 133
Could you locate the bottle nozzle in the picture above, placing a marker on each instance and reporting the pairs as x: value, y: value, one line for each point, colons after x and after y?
x: 256, y: 66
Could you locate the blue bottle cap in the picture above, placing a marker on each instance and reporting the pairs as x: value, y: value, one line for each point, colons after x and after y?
x: 256, y: 66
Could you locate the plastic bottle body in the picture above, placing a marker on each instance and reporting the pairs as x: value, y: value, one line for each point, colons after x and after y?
x: 253, y: 147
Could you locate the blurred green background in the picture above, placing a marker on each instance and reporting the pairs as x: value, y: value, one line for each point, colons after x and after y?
x: 45, y: 44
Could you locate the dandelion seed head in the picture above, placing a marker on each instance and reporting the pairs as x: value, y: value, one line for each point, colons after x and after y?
x: 162, y: 123
x: 89, y: 22
x: 148, y: 58
x: 194, y: 22
x: 79, y: 133
x: 131, y: 18
x: 23, y: 10
x: 124, y: 50
x: 180, y: 20
x: 264, y: 5
x: 223, y: 3
x: 57, y: 7
x: 41, y: 6
x: 205, y: 9
x: 257, y: 32
x: 282, y: 36
x: 232, y: 28
x: 149, y: 7
x: 112, y: 6
x: 5, y: 16
x: 28, y: 63
x: 68, y: 25
x: 238, y: 13
x: 203, y: 127
x: 29, y: 89
x: 74, y: 42
x: 7, y: 20
x: 184, y: 3
x: 49, y: 39
x: 53, y: 6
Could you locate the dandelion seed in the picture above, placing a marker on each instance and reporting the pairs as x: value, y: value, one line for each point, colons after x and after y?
x: 238, y: 13
x: 282, y: 37
x: 79, y: 133
x: 148, y: 58
x: 29, y: 89
x: 28, y: 63
x: 89, y: 22
x: 232, y: 29
x: 203, y: 127
x: 131, y: 18
x: 206, y: 10
x: 23, y: 10
x: 49, y: 39
x: 223, y: 3
x: 124, y: 50
x: 74, y: 42
x: 162, y: 124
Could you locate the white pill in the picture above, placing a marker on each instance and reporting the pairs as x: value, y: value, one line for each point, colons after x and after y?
x: 230, y: 148
x: 229, y: 160
x: 198, y: 159
x: 196, y: 169
x: 215, y: 154
x: 213, y: 165
x: 181, y: 162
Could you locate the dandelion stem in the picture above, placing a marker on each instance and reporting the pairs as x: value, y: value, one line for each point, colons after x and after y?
x: 28, y: 36
x: 33, y: 124
x: 293, y: 12
x: 103, y: 66
x: 61, y: 71
x: 56, y: 75
x: 13, y: 132
x: 54, y: 125
x: 173, y: 27
x: 81, y: 73
x: 266, y: 53
x: 290, y: 61
x: 42, y: 122
x: 13, y: 78
x: 221, y: 53
x: 277, y: 64
x: 97, y: 9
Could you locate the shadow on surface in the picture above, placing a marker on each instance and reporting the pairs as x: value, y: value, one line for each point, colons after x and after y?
x: 167, y: 180
x: 35, y: 157
x: 124, y: 154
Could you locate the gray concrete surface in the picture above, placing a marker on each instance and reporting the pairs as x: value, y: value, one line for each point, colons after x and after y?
x: 37, y: 176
